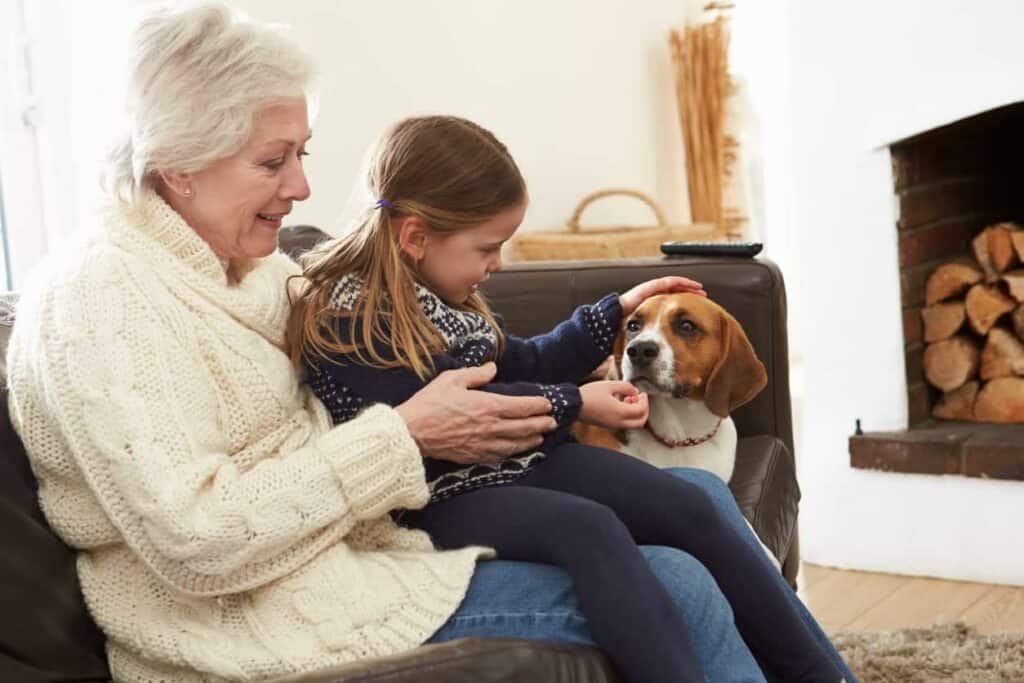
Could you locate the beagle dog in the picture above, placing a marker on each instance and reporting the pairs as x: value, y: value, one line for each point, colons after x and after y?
x: 696, y: 365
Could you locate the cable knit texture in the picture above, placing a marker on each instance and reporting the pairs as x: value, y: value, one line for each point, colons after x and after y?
x: 226, y: 531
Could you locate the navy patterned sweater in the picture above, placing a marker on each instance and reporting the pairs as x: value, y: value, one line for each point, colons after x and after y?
x: 548, y: 365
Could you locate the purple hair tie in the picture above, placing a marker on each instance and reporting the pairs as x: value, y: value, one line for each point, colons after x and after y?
x: 383, y: 203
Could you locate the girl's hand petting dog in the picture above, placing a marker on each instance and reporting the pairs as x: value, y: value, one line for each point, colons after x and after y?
x: 613, y: 405
x: 662, y: 285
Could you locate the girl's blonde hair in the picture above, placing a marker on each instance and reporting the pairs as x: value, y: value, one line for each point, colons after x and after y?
x: 450, y: 173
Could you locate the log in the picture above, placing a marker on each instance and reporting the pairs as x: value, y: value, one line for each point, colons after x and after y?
x: 1001, y: 400
x: 942, y: 321
x: 1014, y: 280
x: 957, y: 404
x: 951, y: 362
x: 993, y: 248
x: 979, y: 245
x: 1003, y: 355
x: 1018, y: 243
x: 949, y: 280
x: 1000, y: 246
x: 1018, y: 321
x: 985, y: 305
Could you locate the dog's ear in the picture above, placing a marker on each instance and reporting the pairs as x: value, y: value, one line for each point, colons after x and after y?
x: 738, y: 376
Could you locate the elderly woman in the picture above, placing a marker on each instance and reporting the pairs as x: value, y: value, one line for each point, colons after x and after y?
x: 225, y: 530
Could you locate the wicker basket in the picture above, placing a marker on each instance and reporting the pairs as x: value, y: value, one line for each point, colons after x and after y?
x: 606, y: 242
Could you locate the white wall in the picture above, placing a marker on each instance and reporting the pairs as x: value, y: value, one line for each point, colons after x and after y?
x: 864, y: 74
x: 582, y: 93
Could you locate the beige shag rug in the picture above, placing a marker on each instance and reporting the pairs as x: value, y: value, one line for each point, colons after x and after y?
x: 951, y: 652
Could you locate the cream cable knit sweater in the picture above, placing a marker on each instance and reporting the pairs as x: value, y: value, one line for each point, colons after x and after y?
x: 226, y: 531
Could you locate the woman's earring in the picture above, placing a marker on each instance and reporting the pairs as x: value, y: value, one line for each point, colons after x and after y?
x: 188, y: 191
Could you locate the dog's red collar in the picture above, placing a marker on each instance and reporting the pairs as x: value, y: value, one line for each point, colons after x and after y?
x: 683, y: 443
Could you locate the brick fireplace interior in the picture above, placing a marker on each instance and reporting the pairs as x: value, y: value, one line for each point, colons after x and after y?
x: 950, y: 183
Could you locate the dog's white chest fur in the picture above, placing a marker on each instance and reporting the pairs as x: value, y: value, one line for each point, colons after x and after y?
x: 678, y: 419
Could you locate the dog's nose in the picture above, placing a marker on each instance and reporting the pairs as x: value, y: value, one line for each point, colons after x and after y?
x: 642, y: 352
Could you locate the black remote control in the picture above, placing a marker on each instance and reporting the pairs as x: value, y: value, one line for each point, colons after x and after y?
x: 737, y: 249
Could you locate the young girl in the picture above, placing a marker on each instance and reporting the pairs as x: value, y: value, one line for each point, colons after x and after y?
x: 395, y: 302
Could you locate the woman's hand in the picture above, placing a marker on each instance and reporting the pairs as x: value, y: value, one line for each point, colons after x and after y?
x: 662, y: 285
x: 613, y: 405
x: 450, y: 421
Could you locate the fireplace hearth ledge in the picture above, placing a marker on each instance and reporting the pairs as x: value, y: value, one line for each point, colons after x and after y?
x: 971, y: 449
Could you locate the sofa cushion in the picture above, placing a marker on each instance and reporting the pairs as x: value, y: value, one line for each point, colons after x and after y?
x: 472, y: 660
x: 47, y: 633
x: 296, y: 240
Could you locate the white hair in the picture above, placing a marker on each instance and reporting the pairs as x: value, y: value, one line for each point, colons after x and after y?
x: 199, y: 76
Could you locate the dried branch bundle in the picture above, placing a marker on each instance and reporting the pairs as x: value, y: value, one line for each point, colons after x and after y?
x: 700, y: 57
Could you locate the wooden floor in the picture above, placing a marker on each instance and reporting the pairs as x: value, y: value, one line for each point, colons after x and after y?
x: 863, y: 601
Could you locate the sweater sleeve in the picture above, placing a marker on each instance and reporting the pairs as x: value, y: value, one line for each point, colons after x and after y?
x: 127, y: 390
x: 567, y: 353
x: 345, y: 384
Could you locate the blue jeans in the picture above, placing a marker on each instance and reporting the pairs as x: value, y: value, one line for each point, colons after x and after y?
x: 535, y: 601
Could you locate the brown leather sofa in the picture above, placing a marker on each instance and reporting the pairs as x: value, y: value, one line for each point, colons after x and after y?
x: 46, y: 634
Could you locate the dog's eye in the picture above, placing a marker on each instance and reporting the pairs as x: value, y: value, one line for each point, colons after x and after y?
x: 685, y: 327
x: 633, y: 326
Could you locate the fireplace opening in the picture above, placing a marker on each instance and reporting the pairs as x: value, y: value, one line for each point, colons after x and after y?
x: 960, y: 198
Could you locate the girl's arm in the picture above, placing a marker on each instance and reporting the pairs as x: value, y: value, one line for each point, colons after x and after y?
x: 345, y: 385
x: 567, y: 353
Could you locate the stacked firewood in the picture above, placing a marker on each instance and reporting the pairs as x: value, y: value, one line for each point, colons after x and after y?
x: 974, y: 330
